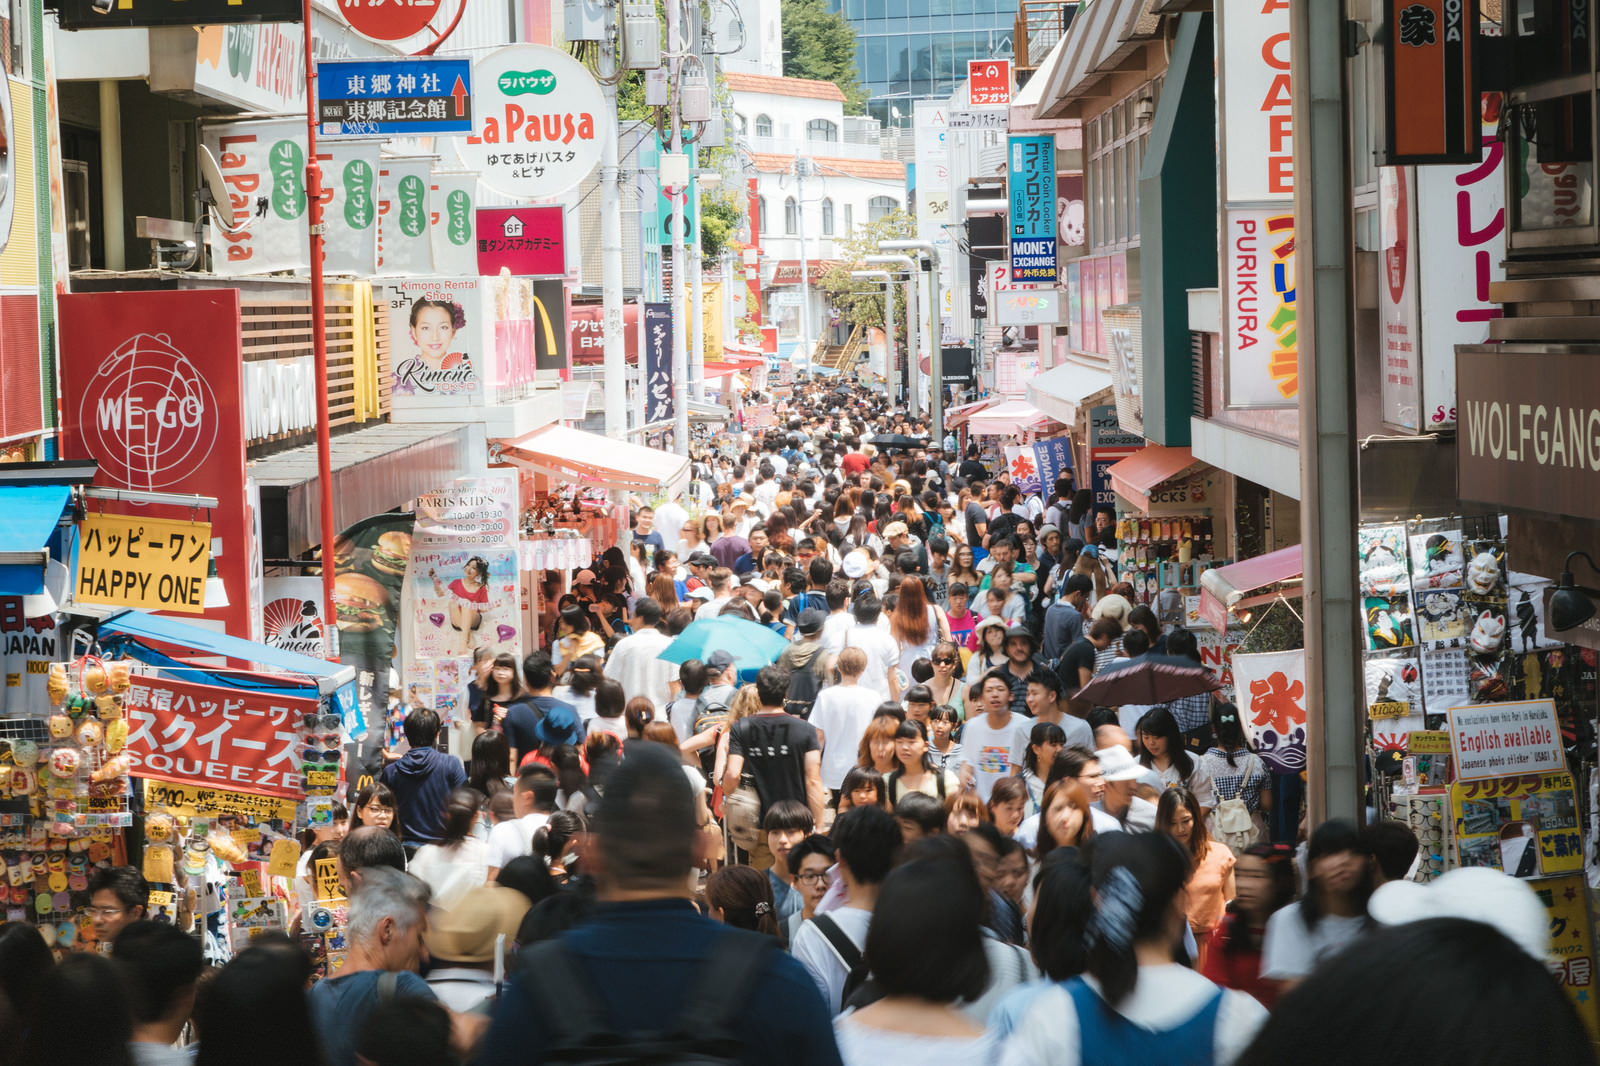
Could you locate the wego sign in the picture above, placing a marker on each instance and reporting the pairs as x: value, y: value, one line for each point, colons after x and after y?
x: 147, y: 414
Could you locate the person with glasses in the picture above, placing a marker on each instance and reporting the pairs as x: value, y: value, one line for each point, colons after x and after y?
x: 946, y: 685
x: 118, y: 897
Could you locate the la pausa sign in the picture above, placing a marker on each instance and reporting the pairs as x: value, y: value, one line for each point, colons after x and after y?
x: 534, y: 132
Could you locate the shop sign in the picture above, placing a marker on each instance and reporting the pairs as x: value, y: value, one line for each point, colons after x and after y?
x: 405, y: 245
x: 587, y: 334
x: 451, y: 202
x: 464, y: 597
x: 955, y: 368
x: 238, y: 739
x: 527, y: 241
x: 472, y: 512
x: 978, y: 120
x: 929, y: 122
x: 1492, y: 740
x: 280, y: 398
x: 1254, y: 102
x: 1259, y: 308
x: 1428, y: 742
x: 1013, y: 371
x: 1571, y: 955
x: 156, y: 379
x: 1524, y: 825
x: 438, y: 342
x: 547, y: 320
x: 195, y: 801
x: 1124, y: 327
x: 1027, y: 308
x: 1271, y: 691
x: 1031, y: 180
x: 989, y: 82
x: 1054, y: 459
x: 1461, y: 236
x: 1529, y: 436
x: 27, y: 648
x: 656, y: 325
x: 1430, y: 90
x: 292, y: 616
x: 1399, y: 314
x: 394, y: 97
x: 1108, y: 446
x: 97, y: 14
x: 388, y: 22
x: 537, y: 124
x: 152, y: 563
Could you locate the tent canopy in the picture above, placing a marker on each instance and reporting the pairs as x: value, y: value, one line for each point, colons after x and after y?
x: 1226, y: 586
x: 28, y: 518
x: 328, y: 677
x: 1135, y: 476
x: 595, y: 460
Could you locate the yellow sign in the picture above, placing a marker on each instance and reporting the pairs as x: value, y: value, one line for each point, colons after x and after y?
x: 192, y: 801
x: 154, y: 563
x: 1428, y: 742
x: 328, y: 887
x: 1571, y: 952
x: 1533, y: 818
x: 1389, y: 709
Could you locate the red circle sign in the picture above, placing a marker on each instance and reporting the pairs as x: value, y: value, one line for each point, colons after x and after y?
x: 388, y: 20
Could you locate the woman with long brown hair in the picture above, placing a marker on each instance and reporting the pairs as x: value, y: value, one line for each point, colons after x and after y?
x: 916, y: 624
x: 664, y: 591
x: 1065, y: 819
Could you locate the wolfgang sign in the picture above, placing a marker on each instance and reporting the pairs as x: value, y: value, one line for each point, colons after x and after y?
x: 1529, y: 433
x: 536, y: 122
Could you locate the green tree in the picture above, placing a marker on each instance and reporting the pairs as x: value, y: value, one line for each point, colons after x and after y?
x: 820, y: 44
x: 859, y: 301
x: 719, y: 221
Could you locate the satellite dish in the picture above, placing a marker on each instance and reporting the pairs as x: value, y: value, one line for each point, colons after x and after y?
x: 213, y: 193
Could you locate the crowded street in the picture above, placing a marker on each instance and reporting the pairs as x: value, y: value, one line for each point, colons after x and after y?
x: 815, y: 532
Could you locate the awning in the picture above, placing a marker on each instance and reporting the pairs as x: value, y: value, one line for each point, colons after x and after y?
x: 1031, y: 94
x: 374, y: 470
x: 731, y: 360
x: 706, y: 411
x: 1225, y: 587
x: 1063, y: 391
x: 28, y: 518
x: 1146, y: 468
x: 1009, y: 419
x: 957, y: 417
x: 328, y: 677
x: 596, y: 461
x: 1103, y: 35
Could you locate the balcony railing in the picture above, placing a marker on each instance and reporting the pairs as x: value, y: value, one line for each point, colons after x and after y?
x: 1040, y: 26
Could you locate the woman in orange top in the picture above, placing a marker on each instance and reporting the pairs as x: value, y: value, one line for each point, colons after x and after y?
x: 1210, y: 884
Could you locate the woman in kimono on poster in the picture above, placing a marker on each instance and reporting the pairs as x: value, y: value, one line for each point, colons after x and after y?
x: 469, y: 599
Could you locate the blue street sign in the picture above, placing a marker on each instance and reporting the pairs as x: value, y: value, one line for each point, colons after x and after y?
x: 394, y: 97
x: 1032, y: 186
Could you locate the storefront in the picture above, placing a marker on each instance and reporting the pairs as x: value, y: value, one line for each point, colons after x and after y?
x: 1171, y: 518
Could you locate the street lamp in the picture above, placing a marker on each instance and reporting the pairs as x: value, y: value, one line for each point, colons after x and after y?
x: 888, y: 304
x: 903, y: 264
x: 935, y: 350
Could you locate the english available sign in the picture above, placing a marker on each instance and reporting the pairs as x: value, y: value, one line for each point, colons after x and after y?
x: 536, y: 123
x: 1493, y: 740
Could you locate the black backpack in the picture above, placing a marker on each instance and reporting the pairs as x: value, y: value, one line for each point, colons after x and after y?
x: 804, y: 684
x: 702, y: 1035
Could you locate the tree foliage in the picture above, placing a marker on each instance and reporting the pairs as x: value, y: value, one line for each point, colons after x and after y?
x: 859, y: 301
x: 820, y: 44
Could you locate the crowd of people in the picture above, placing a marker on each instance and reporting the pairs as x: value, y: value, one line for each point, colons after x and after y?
x: 905, y: 839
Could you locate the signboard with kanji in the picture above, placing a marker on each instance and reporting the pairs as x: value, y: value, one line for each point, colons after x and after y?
x: 153, y: 563
x: 657, y: 326
x: 379, y: 21
x: 528, y: 241
x: 1570, y: 955
x: 394, y: 97
x: 538, y: 126
x: 1032, y: 186
x: 988, y: 82
x: 226, y: 738
x: 1526, y: 825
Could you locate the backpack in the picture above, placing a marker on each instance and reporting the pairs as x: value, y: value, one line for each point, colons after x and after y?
x: 709, y: 715
x: 702, y: 1035
x: 848, y: 953
x: 1234, y: 826
x: 804, y: 684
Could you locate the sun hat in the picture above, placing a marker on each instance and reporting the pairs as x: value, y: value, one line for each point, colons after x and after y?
x: 1118, y: 764
x: 467, y: 931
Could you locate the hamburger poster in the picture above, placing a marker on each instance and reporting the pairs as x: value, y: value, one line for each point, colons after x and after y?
x: 370, y: 560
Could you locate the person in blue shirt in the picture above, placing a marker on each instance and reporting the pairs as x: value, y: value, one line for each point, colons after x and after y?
x: 645, y: 949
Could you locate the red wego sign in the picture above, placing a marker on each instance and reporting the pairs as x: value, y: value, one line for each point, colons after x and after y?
x: 216, y: 737
x: 387, y: 20
x: 148, y: 414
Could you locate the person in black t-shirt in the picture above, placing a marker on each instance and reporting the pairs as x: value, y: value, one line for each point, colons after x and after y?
x: 780, y: 752
x: 1077, y: 662
x: 971, y: 469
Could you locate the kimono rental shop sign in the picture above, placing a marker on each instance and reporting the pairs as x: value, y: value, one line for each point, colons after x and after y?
x: 216, y: 737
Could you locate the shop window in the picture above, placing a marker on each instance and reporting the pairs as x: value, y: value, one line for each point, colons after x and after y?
x: 1550, y: 127
x: 1114, y: 146
x: 791, y: 217
x: 763, y: 125
x: 879, y: 206
x: 761, y: 209
x: 820, y: 129
x: 849, y: 219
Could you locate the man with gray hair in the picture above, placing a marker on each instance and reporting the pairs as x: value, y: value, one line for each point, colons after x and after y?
x: 388, y: 915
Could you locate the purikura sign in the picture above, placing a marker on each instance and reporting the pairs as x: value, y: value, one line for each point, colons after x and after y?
x: 536, y: 122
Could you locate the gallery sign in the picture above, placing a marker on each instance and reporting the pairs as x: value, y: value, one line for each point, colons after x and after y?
x: 1529, y: 435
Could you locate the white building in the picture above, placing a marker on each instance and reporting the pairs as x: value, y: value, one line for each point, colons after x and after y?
x: 820, y: 174
x: 759, y: 26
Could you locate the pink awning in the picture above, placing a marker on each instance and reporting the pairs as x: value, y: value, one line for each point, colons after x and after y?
x: 1226, y: 586
x: 957, y: 417
x: 1012, y: 418
x: 1135, y: 476
x: 591, y: 459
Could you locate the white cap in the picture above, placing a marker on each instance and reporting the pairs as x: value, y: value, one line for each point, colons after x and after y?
x: 1476, y: 893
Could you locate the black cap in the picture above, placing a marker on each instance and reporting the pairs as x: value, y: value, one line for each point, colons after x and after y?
x: 811, y: 621
x: 702, y: 559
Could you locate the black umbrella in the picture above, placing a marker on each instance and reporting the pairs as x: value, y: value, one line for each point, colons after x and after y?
x: 1148, y: 679
x: 897, y: 440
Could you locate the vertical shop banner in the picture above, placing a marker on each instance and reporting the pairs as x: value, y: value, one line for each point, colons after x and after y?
x: 1108, y: 445
x: 1260, y: 310
x: 464, y: 599
x: 1054, y: 459
x: 154, y: 383
x: 292, y: 616
x: 547, y: 315
x: 405, y: 243
x: 1253, y: 100
x: 1023, y: 467
x: 1271, y: 690
x: 351, y: 187
x: 1461, y: 236
x: 263, y: 167
x: 657, y: 326
x: 1571, y: 955
x: 1399, y: 310
x: 437, y: 342
x: 452, y: 204
x: 370, y: 560
x: 1124, y: 328
x: 27, y: 648
x: 1032, y: 184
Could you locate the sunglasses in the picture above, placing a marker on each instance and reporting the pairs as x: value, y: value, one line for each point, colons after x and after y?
x: 944, y: 662
x: 311, y: 723
x: 326, y: 740
x: 311, y: 757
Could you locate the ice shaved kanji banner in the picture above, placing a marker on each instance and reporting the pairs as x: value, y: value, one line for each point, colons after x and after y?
x: 216, y: 737
x: 1271, y: 691
x: 1023, y: 465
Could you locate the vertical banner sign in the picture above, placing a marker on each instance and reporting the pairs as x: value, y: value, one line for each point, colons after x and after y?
x: 1108, y: 445
x: 452, y: 202
x: 1461, y: 235
x: 292, y: 614
x: 1399, y: 311
x: 1263, y: 357
x: 1270, y: 689
x: 1032, y: 181
x: 658, y: 362
x: 549, y: 314
x: 1254, y: 101
x: 350, y: 174
x: 1054, y: 458
x: 1430, y: 106
x: 263, y: 167
x: 464, y: 569
x: 404, y: 244
x: 370, y: 560
x: 438, y: 342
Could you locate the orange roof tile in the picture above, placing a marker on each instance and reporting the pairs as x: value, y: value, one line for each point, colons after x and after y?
x: 773, y: 163
x: 765, y: 83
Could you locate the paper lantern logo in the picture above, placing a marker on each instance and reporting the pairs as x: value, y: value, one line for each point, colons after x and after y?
x: 148, y: 415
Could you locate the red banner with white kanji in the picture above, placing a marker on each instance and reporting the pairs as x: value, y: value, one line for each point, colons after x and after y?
x: 217, y: 737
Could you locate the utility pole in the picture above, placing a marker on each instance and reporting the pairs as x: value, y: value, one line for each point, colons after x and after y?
x: 680, y: 342
x: 616, y: 347
x: 697, y: 324
x: 319, y: 332
x: 802, y: 167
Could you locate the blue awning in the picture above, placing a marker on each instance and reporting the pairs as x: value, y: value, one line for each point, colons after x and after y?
x: 28, y: 518
x: 329, y: 677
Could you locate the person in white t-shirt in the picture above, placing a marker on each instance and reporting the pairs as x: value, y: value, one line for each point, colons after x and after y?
x: 533, y: 800
x: 841, y: 713
x: 670, y: 519
x: 1333, y: 912
x: 883, y: 651
x: 994, y: 745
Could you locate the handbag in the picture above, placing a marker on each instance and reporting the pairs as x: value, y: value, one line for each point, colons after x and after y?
x: 741, y: 813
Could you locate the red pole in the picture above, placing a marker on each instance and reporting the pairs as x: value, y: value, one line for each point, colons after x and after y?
x: 319, y: 339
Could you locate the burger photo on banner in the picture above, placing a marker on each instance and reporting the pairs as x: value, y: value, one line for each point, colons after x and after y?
x: 465, y: 599
x: 369, y: 565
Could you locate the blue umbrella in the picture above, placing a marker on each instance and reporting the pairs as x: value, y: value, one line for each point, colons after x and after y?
x: 752, y: 646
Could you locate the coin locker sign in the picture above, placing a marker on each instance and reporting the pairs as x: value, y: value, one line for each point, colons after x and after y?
x: 1033, y: 209
x: 152, y: 563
